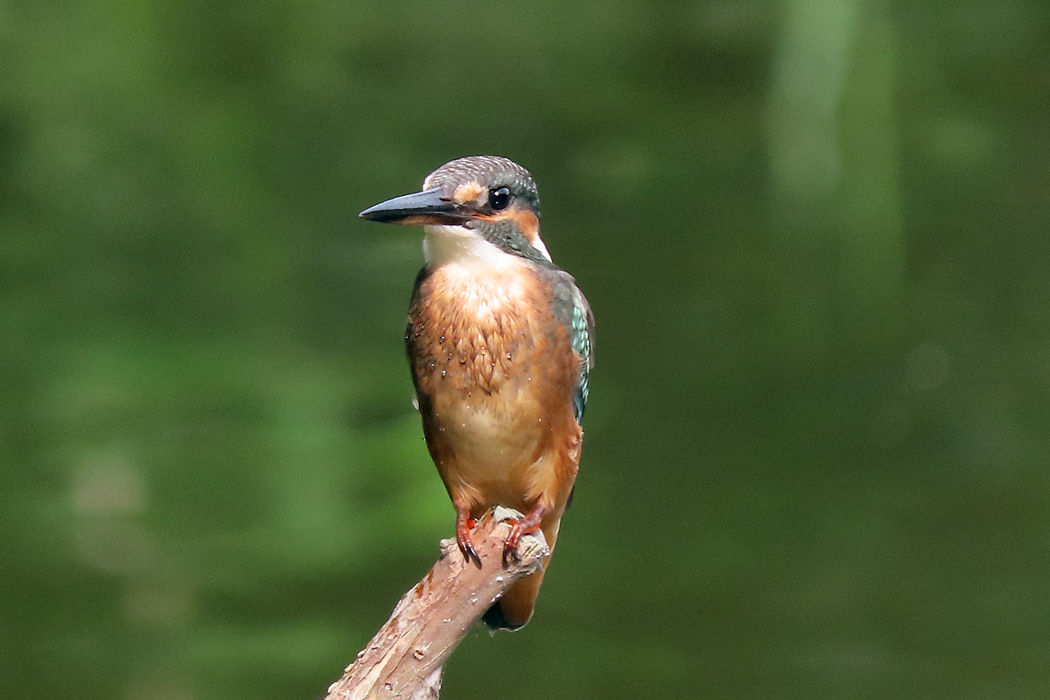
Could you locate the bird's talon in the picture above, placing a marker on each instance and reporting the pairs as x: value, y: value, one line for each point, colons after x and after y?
x: 510, y: 554
x: 510, y: 545
x: 469, y: 553
x: 464, y: 525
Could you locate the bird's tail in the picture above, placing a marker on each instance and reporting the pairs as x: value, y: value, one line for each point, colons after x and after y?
x: 515, y: 607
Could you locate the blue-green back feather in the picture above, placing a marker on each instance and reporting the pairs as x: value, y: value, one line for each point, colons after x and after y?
x: 571, y: 309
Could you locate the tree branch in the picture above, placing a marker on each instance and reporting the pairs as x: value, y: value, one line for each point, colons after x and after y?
x: 405, y: 658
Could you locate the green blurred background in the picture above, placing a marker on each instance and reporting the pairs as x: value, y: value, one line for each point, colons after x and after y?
x: 814, y: 234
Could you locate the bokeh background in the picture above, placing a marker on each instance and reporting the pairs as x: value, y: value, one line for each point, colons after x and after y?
x: 814, y: 234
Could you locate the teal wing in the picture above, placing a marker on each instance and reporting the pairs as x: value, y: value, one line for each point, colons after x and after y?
x: 582, y: 343
x: 572, y: 310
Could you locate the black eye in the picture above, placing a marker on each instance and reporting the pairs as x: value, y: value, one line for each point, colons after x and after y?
x: 499, y: 198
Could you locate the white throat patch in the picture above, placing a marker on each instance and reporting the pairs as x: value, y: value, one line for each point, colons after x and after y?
x: 456, y: 244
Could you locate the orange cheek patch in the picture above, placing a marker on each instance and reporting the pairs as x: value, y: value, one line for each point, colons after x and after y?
x: 468, y: 192
x: 527, y: 223
x: 524, y: 220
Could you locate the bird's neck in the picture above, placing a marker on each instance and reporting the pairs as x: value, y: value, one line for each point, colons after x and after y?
x: 456, y: 245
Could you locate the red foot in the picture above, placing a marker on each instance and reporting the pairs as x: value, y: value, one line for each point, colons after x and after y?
x: 464, y: 524
x: 527, y: 525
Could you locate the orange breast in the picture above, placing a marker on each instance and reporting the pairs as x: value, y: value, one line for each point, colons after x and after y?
x: 494, y: 374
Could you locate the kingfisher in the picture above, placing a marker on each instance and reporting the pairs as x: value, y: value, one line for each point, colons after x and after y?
x: 500, y: 344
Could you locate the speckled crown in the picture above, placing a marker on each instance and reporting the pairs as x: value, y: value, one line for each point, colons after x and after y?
x: 489, y: 171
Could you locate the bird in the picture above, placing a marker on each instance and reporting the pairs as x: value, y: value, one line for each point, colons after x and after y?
x: 500, y: 343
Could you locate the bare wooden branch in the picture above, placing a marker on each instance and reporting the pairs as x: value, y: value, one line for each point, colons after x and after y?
x: 405, y: 658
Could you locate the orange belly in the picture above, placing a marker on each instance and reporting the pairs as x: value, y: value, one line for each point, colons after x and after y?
x: 498, y: 446
x: 494, y: 375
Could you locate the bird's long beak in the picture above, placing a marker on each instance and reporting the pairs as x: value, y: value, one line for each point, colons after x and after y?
x: 426, y: 207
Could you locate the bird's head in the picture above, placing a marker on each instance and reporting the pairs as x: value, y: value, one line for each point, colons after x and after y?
x: 469, y: 202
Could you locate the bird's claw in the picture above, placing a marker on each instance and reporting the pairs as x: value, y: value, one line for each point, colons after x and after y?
x: 469, y: 553
x: 510, y: 545
x: 463, y: 540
